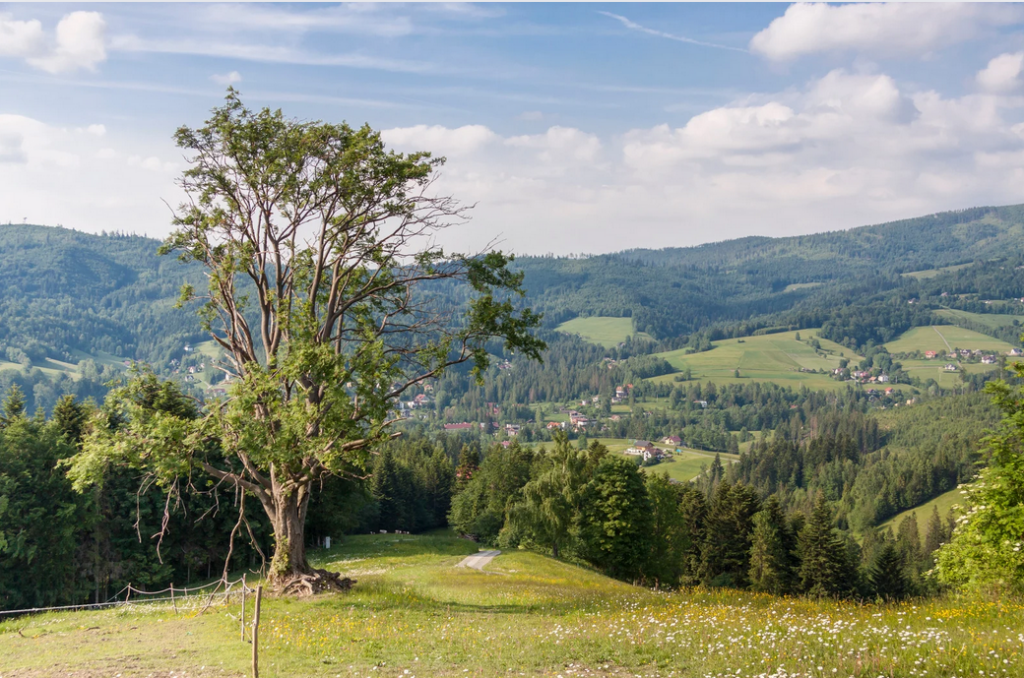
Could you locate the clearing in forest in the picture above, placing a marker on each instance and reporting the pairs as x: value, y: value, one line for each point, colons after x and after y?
x: 937, y: 337
x: 779, y: 358
x: 605, y: 331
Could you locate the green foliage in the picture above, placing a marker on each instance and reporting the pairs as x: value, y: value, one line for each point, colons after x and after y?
x: 886, y: 576
x: 987, y: 548
x: 825, y: 567
x: 772, y: 551
x: 616, y: 519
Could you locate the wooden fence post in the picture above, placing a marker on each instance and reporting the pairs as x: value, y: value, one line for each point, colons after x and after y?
x: 173, y: 601
x: 256, y: 634
x: 242, y: 629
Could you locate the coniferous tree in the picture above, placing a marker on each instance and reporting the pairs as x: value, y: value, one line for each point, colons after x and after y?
x: 908, y: 542
x: 936, y: 534
x: 725, y: 558
x: 13, y: 406
x: 387, y: 488
x: 693, y: 511
x: 824, y: 560
x: 886, y: 575
x: 771, y: 553
x: 469, y: 463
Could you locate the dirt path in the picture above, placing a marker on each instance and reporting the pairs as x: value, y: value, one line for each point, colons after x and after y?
x: 948, y: 347
x: 478, y: 561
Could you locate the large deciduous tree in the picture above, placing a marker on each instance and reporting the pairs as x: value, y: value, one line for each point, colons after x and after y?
x: 324, y: 272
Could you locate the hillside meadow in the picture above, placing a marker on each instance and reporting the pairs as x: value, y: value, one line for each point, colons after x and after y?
x: 777, y: 358
x: 414, y: 613
x: 943, y: 338
x: 602, y: 330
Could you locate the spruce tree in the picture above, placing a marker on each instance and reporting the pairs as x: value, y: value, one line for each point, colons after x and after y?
x: 935, y: 536
x: 13, y: 407
x: 771, y: 561
x: 886, y: 575
x: 725, y: 558
x: 386, y: 487
x: 469, y: 463
x: 824, y: 559
x: 908, y: 542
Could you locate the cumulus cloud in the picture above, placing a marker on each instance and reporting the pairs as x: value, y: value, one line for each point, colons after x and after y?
x: 844, y: 150
x: 77, y: 43
x: 227, y: 78
x: 1002, y: 73
x: 81, y: 177
x: 20, y: 38
x: 886, y: 29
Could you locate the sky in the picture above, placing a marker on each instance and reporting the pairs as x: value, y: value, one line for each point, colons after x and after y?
x: 572, y: 128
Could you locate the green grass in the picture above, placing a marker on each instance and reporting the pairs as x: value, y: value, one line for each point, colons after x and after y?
x: 932, y: 272
x: 941, y: 338
x: 936, y: 369
x: 412, y: 613
x: 602, y: 330
x: 772, y: 357
x: 990, y: 320
x: 944, y: 502
x: 793, y: 287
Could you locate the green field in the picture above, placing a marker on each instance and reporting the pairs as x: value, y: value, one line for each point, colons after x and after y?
x: 990, y: 320
x: 942, y: 338
x: 944, y: 502
x: 608, y: 332
x: 413, y: 613
x: 793, y: 287
x: 771, y: 357
x: 936, y: 369
x: 932, y: 272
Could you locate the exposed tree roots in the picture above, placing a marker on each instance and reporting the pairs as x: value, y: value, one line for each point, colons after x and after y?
x: 312, y: 583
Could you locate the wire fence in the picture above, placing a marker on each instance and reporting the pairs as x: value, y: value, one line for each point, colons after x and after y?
x: 190, y: 600
x: 193, y: 599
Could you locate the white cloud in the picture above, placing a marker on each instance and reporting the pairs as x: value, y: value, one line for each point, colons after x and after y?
x: 440, y: 140
x: 885, y: 29
x: 73, y: 176
x: 1002, y: 73
x: 227, y: 79
x: 20, y: 38
x: 847, y: 149
x: 78, y: 44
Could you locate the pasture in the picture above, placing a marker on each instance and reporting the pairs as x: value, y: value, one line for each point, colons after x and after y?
x: 772, y: 357
x: 990, y: 320
x: 944, y: 502
x: 413, y: 613
x: 932, y: 272
x: 602, y: 330
x: 943, y: 338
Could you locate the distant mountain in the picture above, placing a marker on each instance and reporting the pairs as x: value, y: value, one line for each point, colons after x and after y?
x: 65, y: 293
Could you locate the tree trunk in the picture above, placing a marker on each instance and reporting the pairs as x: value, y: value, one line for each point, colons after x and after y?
x: 290, y: 572
x: 288, y: 516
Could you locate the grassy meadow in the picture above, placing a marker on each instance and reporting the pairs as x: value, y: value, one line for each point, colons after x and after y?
x: 944, y: 502
x: 932, y: 272
x: 413, y: 613
x: 942, y: 338
x: 771, y: 357
x: 990, y: 320
x: 602, y: 330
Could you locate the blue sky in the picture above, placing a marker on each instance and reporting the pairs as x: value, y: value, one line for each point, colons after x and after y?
x: 573, y: 127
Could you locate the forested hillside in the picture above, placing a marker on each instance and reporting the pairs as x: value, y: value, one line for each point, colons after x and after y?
x: 66, y: 295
